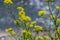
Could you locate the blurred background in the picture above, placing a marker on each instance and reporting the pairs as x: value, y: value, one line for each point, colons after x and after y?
x: 31, y: 8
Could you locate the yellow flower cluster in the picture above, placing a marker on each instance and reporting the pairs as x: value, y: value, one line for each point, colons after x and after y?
x: 41, y: 13
x: 11, y: 31
x: 40, y: 38
x: 38, y: 28
x: 17, y: 22
x: 31, y: 24
x: 8, y: 2
x: 26, y: 33
x: 25, y: 18
x: 58, y: 20
x: 58, y: 31
x: 52, y: 16
x: 58, y: 7
x: 22, y: 15
x: 20, y: 8
x: 46, y: 37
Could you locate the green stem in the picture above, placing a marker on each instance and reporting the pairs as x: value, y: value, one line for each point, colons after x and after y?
x: 53, y: 18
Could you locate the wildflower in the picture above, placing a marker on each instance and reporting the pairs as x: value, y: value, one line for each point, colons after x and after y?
x: 38, y: 28
x: 8, y: 2
x: 58, y: 7
x: 29, y: 24
x: 46, y: 37
x: 22, y: 18
x: 27, y: 18
x: 40, y: 38
x: 21, y: 13
x: 20, y: 8
x: 28, y: 39
x: 58, y: 31
x: 58, y: 39
x: 33, y: 22
x: 26, y: 33
x: 41, y: 13
x: 58, y: 20
x: 52, y: 16
x: 11, y: 31
x: 17, y: 22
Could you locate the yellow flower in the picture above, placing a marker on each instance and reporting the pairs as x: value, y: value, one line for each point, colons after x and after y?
x: 46, y: 37
x: 28, y: 24
x: 41, y: 13
x: 17, y: 22
x: 58, y: 20
x: 40, y: 38
x: 20, y: 8
x: 11, y: 31
x: 21, y: 13
x: 8, y: 2
x: 29, y: 33
x: 33, y: 22
x: 52, y: 16
x: 31, y: 25
x: 28, y: 39
x: 27, y: 18
x: 26, y: 33
x: 58, y: 7
x: 22, y: 18
x: 38, y: 28
x: 58, y: 31
x: 58, y: 39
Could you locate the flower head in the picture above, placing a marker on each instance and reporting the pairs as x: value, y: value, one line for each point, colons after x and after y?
x: 28, y: 24
x: 40, y: 38
x: 17, y: 22
x: 58, y: 31
x: 26, y: 33
x: 58, y: 7
x: 38, y: 28
x: 8, y: 2
x: 20, y: 8
x: 58, y: 20
x: 11, y: 31
x: 33, y: 22
x: 46, y: 37
x: 27, y: 18
x: 21, y: 13
x: 41, y: 13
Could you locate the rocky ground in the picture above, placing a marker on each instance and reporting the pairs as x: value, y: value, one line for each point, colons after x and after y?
x: 5, y: 36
